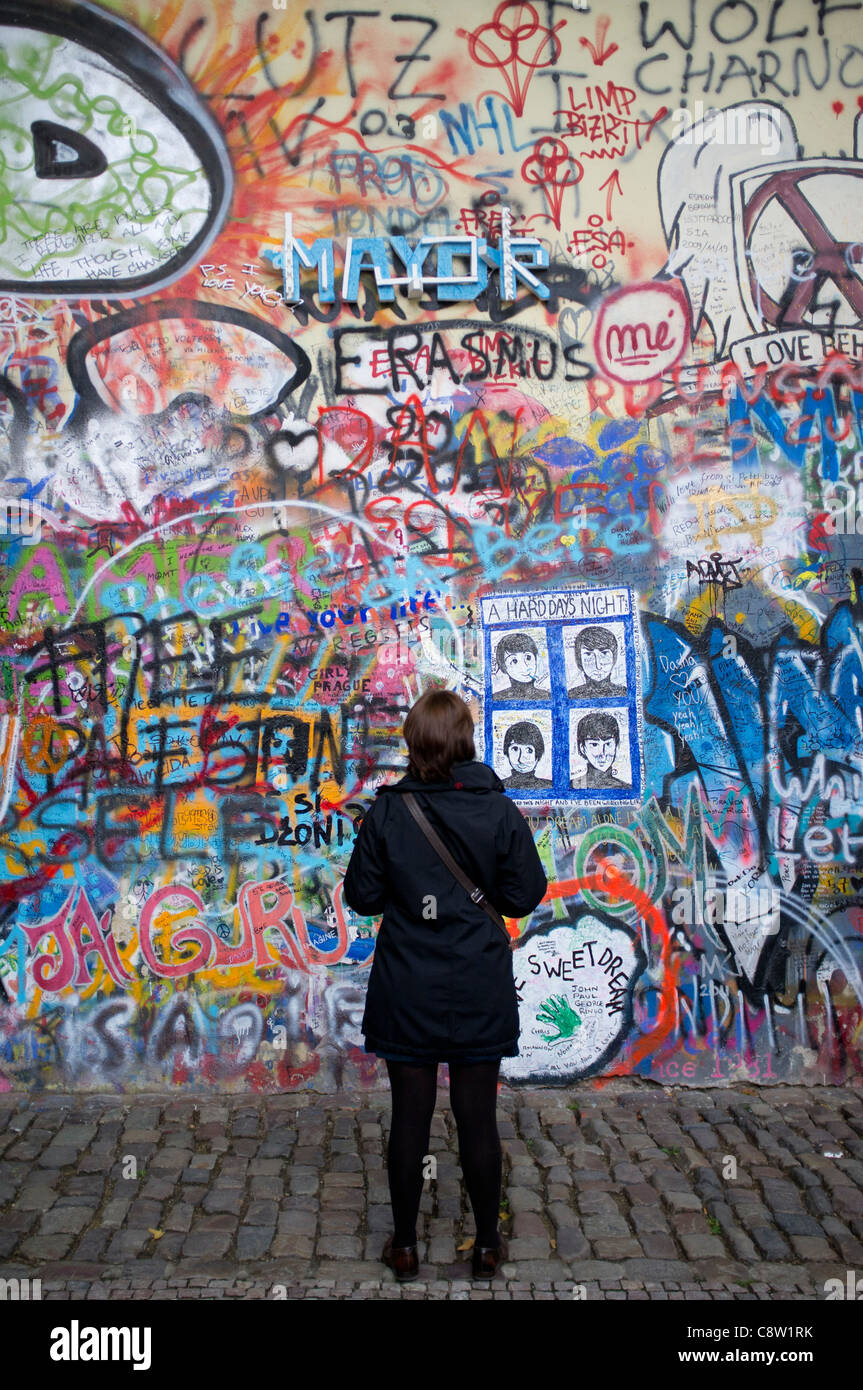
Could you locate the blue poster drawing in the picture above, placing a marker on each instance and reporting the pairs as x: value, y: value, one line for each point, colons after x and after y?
x: 562, y: 709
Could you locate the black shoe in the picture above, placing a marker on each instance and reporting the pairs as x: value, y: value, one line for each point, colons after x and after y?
x: 403, y: 1260
x: 488, y: 1259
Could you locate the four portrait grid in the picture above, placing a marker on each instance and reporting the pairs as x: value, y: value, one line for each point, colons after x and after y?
x: 561, y: 701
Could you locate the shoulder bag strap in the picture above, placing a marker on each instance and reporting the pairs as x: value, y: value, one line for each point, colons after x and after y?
x: 475, y: 894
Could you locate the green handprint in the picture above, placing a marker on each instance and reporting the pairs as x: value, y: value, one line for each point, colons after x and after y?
x: 559, y: 1014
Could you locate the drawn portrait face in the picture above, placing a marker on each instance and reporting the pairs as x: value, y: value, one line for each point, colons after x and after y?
x: 595, y: 658
x: 523, y: 757
x: 520, y: 666
x: 599, y: 752
x: 597, y: 663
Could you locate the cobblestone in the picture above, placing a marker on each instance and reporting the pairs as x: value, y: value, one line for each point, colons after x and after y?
x: 623, y: 1196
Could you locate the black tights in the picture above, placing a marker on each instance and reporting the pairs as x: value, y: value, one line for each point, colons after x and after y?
x: 473, y: 1095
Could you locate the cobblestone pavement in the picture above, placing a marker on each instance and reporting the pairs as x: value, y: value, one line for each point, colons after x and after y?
x: 625, y: 1192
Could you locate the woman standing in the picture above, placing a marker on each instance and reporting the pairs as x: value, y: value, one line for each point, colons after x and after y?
x: 441, y: 987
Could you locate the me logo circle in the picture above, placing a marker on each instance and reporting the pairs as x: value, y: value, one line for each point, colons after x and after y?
x: 641, y: 332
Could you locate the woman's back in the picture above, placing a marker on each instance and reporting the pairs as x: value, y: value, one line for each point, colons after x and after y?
x: 442, y: 981
x: 441, y: 986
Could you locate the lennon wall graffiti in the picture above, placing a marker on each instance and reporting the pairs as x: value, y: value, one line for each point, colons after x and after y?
x: 320, y: 331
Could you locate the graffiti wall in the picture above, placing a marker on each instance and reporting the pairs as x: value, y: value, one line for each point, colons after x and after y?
x: 511, y: 348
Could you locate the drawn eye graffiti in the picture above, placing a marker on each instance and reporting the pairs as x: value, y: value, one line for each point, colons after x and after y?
x: 116, y: 177
x: 140, y: 362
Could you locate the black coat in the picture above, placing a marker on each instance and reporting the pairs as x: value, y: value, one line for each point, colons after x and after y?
x: 443, y: 987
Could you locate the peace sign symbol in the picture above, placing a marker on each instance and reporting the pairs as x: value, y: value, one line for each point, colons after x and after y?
x: 821, y: 258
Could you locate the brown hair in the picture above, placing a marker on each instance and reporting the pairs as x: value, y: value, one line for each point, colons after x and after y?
x: 438, y: 732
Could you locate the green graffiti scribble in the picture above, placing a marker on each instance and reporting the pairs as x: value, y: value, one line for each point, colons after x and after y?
x: 130, y: 203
